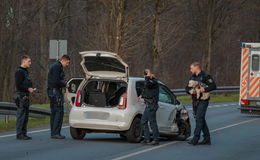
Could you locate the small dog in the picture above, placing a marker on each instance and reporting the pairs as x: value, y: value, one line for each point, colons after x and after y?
x: 196, y: 87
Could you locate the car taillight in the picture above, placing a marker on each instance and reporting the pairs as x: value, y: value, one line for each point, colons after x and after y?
x: 123, y: 101
x: 246, y: 102
x: 78, y: 99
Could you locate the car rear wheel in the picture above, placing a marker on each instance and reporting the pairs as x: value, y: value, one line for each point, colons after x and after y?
x: 134, y: 134
x: 77, y: 133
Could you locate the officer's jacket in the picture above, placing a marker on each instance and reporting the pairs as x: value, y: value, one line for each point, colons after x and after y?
x: 151, y: 89
x: 205, y: 79
x: 56, y: 76
x: 22, y: 80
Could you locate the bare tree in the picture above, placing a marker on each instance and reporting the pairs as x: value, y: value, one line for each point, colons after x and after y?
x: 209, y: 18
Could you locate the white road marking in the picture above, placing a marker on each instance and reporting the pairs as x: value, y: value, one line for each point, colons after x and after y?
x: 215, y: 106
x: 170, y: 143
x: 36, y: 131
x: 233, y: 125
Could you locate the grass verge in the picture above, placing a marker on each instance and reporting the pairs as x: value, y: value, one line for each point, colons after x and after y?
x: 32, y: 123
x: 213, y: 98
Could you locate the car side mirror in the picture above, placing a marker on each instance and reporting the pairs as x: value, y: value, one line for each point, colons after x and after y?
x: 177, y: 102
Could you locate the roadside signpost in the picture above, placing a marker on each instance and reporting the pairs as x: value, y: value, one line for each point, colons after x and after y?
x: 57, y: 48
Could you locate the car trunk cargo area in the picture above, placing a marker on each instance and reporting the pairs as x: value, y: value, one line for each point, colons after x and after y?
x: 102, y: 93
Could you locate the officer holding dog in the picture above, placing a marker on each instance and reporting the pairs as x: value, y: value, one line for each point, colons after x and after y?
x: 24, y: 87
x: 151, y: 97
x: 200, y: 106
x: 55, y: 85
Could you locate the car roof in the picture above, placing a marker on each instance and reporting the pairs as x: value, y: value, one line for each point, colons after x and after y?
x: 85, y: 52
x: 140, y: 79
x: 136, y: 78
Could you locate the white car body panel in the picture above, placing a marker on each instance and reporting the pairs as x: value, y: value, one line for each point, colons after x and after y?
x: 116, y: 120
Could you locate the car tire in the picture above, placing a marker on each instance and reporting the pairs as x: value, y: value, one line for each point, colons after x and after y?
x: 77, y: 133
x: 184, y: 129
x: 134, y: 134
x: 122, y: 136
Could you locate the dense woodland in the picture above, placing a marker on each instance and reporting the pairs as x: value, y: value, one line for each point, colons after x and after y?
x: 164, y: 35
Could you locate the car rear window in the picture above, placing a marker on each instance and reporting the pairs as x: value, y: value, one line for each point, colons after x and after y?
x: 255, y: 63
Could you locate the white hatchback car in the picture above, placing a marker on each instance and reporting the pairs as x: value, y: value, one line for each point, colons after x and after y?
x: 106, y: 101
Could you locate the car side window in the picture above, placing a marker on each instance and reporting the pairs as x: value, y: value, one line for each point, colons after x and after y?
x: 139, y: 87
x: 167, y: 96
x: 164, y: 95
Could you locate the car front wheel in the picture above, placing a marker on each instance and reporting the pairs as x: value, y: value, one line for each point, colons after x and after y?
x: 184, y: 129
x: 77, y: 133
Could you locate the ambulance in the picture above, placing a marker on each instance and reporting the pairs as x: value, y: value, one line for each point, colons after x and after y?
x: 250, y: 78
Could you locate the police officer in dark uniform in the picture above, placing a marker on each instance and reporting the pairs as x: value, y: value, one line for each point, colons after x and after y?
x: 24, y: 87
x: 151, y: 97
x: 55, y: 85
x: 200, y: 106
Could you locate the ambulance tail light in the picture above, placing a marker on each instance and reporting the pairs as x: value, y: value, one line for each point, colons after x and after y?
x: 78, y: 99
x: 123, y: 102
x: 245, y: 102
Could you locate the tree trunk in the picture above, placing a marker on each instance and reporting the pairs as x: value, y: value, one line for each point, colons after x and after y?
x: 43, y: 47
x: 209, y: 35
x: 156, y: 36
x: 121, y: 5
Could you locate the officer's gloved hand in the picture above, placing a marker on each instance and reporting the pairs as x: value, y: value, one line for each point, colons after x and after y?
x: 147, y: 78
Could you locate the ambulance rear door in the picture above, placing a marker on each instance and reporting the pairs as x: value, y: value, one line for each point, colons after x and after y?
x: 254, y: 74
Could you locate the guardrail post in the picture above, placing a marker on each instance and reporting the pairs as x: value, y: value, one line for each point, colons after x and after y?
x: 6, y: 118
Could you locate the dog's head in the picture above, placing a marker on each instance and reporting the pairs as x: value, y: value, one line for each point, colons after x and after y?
x: 193, y: 83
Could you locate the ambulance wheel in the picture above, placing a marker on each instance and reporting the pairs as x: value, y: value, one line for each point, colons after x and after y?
x: 77, y: 133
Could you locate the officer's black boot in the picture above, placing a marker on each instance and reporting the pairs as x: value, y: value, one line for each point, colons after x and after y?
x: 145, y: 141
x: 23, y: 137
x: 154, y: 142
x: 193, y: 141
x: 205, y: 142
x: 28, y: 137
x: 58, y: 137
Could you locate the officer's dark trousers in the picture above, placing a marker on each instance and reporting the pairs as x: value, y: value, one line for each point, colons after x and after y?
x: 22, y: 114
x: 149, y: 115
x: 57, y: 110
x: 200, y: 109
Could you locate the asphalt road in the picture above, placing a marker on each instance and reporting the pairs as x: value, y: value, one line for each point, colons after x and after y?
x: 234, y: 136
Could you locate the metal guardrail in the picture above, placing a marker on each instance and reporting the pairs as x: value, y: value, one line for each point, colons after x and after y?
x: 221, y: 89
x: 7, y: 108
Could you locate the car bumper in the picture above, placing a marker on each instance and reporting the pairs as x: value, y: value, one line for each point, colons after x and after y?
x: 109, y: 119
x: 250, y: 109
